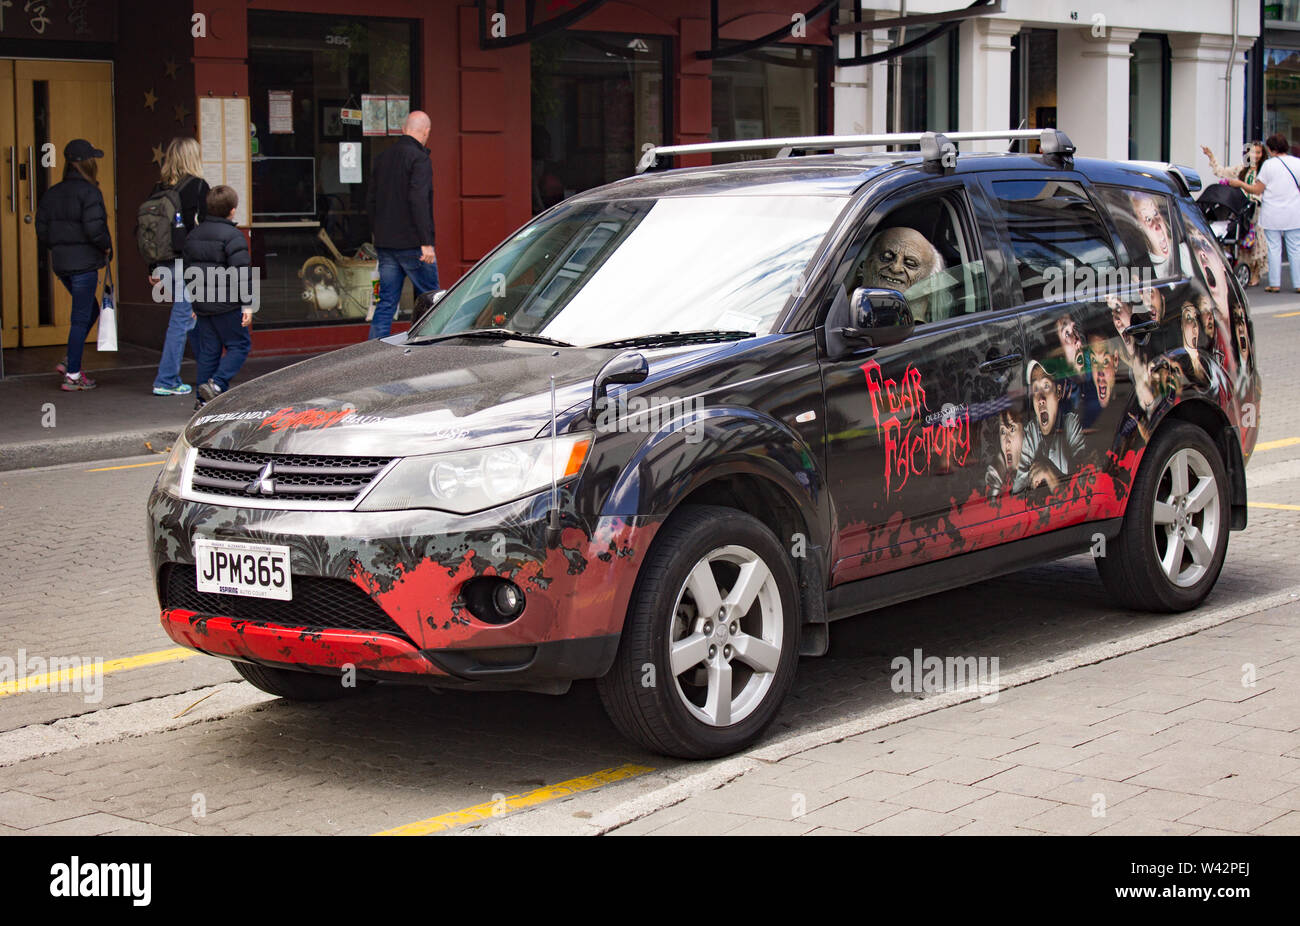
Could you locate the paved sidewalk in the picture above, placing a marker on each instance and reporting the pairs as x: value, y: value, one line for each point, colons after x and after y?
x: 43, y: 426
x: 1176, y: 739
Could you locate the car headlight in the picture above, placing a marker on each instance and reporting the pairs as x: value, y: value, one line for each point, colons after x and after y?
x: 169, y: 480
x: 471, y: 480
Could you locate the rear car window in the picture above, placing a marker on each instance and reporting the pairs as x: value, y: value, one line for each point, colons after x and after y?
x: 1146, y: 230
x: 1053, y: 230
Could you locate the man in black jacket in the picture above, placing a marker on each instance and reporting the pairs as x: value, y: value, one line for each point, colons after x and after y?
x: 222, y: 285
x: 400, y: 203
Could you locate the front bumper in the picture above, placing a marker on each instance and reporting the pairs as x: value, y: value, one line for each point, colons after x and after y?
x: 413, y: 566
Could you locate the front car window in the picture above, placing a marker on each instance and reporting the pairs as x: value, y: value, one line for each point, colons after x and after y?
x: 593, y: 272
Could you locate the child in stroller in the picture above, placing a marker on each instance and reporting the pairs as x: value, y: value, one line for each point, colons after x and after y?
x: 1229, y: 211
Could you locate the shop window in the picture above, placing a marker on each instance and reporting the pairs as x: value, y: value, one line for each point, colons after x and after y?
x: 1282, y: 92
x: 596, y: 99
x: 1033, y: 80
x: 1148, y: 99
x: 928, y: 77
x: 309, y: 77
x: 769, y: 93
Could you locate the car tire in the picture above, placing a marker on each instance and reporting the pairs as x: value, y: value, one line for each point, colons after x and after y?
x: 1174, y: 538
x: 714, y: 558
x: 297, y: 686
x: 1242, y: 273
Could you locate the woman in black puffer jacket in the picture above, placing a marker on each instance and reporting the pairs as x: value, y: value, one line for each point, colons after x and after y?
x: 72, y: 222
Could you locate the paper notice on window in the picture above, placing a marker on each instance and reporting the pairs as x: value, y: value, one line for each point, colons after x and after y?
x: 374, y: 115
x: 235, y: 132
x: 349, y: 162
x: 237, y: 179
x: 399, y: 107
x: 214, y: 172
x: 279, y: 112
x: 210, y: 129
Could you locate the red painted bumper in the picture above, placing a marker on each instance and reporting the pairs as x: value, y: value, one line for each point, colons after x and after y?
x: 294, y: 647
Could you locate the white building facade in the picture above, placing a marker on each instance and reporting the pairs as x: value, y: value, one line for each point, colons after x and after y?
x: 1155, y: 79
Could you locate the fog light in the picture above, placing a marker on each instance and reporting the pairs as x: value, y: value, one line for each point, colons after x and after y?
x: 493, y: 600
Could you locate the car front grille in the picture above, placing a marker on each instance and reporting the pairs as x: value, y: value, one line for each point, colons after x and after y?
x: 292, y: 477
x: 318, y: 604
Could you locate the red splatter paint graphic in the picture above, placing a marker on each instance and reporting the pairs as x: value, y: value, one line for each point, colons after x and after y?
x: 288, y: 419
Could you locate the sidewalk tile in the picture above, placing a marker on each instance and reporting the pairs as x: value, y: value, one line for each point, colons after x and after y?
x: 1234, y: 816
x: 1047, y: 755
x: 767, y: 827
x: 1164, y: 805
x: 852, y: 813
x: 830, y: 831
x: 1146, y: 826
x: 760, y: 800
x: 1282, y: 826
x: 914, y: 822
x: 1067, y: 820
x: 701, y: 823
x: 992, y: 828
x: 1082, y: 788
x: 1139, y: 722
x: 1027, y: 781
x: 1110, y: 767
x: 1011, y: 809
x: 941, y: 796
x: 24, y: 811
x: 1253, y: 789
x: 967, y: 770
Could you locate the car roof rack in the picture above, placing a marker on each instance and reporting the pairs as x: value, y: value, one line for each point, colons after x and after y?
x: 932, y: 144
x: 1189, y: 178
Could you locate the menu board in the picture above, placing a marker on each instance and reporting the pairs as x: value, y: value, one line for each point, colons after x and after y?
x: 224, y: 141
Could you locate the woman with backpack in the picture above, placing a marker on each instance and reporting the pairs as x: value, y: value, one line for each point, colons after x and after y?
x: 72, y: 222
x: 185, y: 191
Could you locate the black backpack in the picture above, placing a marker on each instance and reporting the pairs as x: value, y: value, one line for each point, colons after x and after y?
x: 155, y: 232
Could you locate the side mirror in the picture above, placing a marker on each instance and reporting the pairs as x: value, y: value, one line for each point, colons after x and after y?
x: 879, y: 317
x: 425, y: 301
x: 627, y: 367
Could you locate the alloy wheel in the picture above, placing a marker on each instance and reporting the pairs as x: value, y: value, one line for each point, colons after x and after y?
x: 1186, y: 518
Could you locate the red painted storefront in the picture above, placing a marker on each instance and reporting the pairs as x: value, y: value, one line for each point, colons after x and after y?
x: 478, y: 101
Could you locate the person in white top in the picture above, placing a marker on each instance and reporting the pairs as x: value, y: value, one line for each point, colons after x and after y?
x: 1279, y: 215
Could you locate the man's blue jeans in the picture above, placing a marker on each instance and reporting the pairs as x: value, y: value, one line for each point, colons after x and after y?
x: 394, y: 267
x: 1275, y: 237
x: 179, y: 325
x: 218, y: 333
x: 85, y: 310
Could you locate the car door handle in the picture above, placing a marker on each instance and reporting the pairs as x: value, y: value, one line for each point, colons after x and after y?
x: 13, y: 179
x: 1000, y: 363
x: 1141, y: 328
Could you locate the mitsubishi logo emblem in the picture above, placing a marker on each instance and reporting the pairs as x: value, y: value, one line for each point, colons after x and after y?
x: 263, y: 484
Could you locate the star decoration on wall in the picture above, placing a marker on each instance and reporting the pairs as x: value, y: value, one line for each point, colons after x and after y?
x: 182, y: 112
x: 170, y: 67
x: 150, y: 100
x: 158, y: 155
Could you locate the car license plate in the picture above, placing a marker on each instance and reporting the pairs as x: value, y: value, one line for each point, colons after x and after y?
x: 257, y: 570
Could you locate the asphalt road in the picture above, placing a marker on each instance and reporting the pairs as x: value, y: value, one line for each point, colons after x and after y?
x: 76, y: 583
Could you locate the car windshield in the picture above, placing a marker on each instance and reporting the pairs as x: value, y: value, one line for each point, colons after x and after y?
x: 594, y: 272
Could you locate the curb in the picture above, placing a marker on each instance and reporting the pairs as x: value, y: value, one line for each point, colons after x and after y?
x: 32, y: 454
x: 675, y: 787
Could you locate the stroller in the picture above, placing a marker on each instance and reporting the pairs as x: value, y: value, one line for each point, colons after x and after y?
x: 1228, y: 211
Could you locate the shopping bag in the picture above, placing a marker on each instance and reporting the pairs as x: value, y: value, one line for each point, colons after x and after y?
x: 108, y: 315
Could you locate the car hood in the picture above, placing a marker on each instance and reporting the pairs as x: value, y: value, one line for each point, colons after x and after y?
x: 383, y: 398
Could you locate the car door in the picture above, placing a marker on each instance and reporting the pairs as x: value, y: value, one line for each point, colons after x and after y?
x: 1087, y: 299
x: 911, y: 425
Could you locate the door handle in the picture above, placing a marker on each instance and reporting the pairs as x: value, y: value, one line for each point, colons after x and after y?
x: 13, y: 179
x: 1141, y: 329
x: 31, y: 179
x: 1000, y: 363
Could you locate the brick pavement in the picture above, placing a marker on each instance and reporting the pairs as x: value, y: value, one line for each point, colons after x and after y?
x: 1169, y: 740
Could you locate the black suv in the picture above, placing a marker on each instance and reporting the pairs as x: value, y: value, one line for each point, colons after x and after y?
x: 671, y: 428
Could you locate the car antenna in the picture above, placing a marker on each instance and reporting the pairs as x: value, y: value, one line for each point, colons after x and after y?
x: 553, y: 527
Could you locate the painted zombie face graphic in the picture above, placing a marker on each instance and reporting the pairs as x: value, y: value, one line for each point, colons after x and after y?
x: 1242, y: 334
x: 1214, y: 270
x: 1191, y: 326
x: 1046, y: 401
x: 1011, y: 436
x: 1105, y: 364
x: 1154, y: 226
x: 1207, y: 318
x: 1153, y: 300
x: 899, y: 259
x: 1121, y: 314
x: 1067, y: 330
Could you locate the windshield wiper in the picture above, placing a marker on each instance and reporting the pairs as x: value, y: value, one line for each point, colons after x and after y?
x: 667, y: 338
x: 499, y: 334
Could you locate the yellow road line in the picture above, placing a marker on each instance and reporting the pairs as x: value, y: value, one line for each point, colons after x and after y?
x: 1274, y: 507
x: 1275, y: 444
x: 104, y: 469
x: 490, y: 809
x: 45, y: 681
x: 1286, y: 315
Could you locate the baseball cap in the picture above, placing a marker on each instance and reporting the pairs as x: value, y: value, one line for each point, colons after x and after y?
x: 81, y: 150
